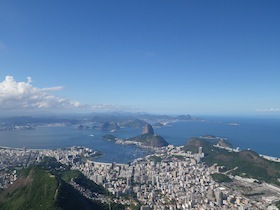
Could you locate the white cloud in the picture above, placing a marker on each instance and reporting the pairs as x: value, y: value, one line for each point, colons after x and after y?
x: 22, y: 95
x: 269, y: 110
x: 56, y: 88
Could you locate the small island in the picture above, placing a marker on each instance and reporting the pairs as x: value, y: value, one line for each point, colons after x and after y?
x: 109, y: 137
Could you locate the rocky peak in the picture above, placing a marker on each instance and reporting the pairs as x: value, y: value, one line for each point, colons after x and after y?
x: 148, y: 129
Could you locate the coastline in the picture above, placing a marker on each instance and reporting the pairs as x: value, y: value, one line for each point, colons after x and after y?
x: 270, y: 158
x: 177, y: 134
x: 97, y: 154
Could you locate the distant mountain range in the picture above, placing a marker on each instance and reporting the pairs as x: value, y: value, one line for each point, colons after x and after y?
x: 122, y: 119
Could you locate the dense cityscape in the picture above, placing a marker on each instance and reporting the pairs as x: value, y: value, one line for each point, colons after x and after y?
x: 168, y: 179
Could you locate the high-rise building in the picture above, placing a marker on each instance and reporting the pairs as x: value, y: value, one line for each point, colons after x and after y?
x: 219, y: 197
x: 200, y: 151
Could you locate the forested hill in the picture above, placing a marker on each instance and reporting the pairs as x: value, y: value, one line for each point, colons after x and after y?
x: 245, y: 163
x: 39, y: 188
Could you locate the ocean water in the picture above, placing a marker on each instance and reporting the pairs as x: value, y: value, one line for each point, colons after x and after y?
x: 260, y: 135
x: 62, y: 137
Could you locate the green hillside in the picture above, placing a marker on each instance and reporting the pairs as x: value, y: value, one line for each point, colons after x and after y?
x: 246, y: 163
x: 40, y: 189
x: 35, y: 189
x: 83, y: 181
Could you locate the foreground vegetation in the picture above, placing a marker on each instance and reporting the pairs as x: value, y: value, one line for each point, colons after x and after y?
x: 46, y: 186
x: 220, y: 178
x: 278, y: 204
x: 35, y: 189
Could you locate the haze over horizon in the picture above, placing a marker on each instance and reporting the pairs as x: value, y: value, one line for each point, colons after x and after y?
x: 184, y: 57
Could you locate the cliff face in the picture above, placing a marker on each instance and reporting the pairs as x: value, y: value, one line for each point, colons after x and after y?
x: 148, y: 129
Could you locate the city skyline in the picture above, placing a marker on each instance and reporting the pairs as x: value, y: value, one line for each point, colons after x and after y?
x: 192, y: 57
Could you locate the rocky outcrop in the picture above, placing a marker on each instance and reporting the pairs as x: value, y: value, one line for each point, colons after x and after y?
x: 148, y: 129
x: 148, y: 138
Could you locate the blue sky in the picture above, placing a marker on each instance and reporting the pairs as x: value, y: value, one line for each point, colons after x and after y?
x: 192, y: 57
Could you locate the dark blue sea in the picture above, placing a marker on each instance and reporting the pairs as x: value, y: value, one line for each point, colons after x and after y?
x: 260, y: 135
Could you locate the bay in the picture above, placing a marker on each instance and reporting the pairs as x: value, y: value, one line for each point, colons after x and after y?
x: 260, y: 135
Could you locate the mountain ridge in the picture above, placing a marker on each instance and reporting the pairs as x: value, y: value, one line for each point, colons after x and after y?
x: 38, y: 188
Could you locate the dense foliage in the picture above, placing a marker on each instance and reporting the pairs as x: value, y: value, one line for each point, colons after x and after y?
x: 89, y: 184
x: 155, y: 158
x: 46, y: 186
x: 71, y: 199
x: 35, y: 191
x: 220, y: 178
x: 278, y: 204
